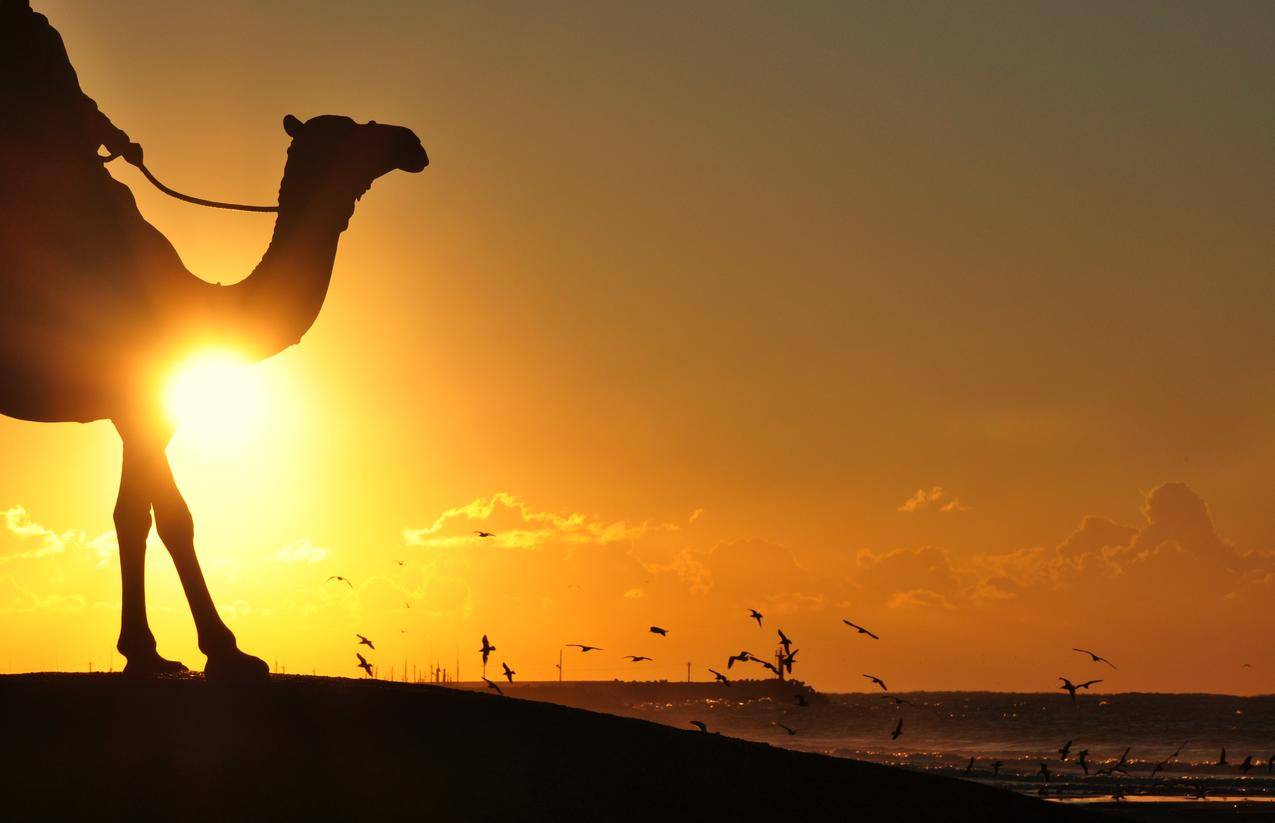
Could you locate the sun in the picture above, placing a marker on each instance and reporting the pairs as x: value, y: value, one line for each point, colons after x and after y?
x: 216, y: 397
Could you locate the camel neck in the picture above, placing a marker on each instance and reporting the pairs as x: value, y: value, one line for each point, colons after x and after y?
x: 282, y: 297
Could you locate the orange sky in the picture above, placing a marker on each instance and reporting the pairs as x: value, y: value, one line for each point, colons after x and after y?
x: 687, y: 308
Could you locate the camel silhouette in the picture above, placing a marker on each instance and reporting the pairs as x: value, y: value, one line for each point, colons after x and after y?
x: 96, y: 308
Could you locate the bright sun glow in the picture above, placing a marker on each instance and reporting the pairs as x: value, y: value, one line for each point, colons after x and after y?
x: 218, y: 398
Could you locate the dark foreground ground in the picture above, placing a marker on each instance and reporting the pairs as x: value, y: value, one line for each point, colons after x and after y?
x: 103, y: 747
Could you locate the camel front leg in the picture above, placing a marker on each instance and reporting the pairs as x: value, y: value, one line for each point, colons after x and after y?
x: 176, y: 529
x: 132, y: 527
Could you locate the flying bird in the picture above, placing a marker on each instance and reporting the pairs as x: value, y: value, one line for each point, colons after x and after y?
x: 495, y: 688
x: 401, y: 562
x: 1071, y: 688
x: 635, y: 658
x: 585, y: 649
x: 363, y: 664
x: 659, y: 631
x: 789, y: 729
x: 742, y: 657
x: 701, y: 725
x: 755, y: 615
x: 721, y: 678
x: 509, y: 673
x: 1097, y: 658
x: 486, y: 650
x: 784, y: 641
x: 363, y: 641
x: 342, y: 579
x: 898, y: 730
x: 859, y: 629
x: 1159, y: 767
x: 768, y: 665
x: 1064, y: 751
x: 898, y: 701
x: 878, y: 681
x: 788, y: 659
x: 483, y: 534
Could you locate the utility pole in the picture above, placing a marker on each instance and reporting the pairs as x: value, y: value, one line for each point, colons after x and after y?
x: 688, y: 671
x: 559, y: 666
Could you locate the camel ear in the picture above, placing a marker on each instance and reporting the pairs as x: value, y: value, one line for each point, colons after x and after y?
x: 292, y: 125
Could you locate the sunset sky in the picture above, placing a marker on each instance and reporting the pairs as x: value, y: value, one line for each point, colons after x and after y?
x: 955, y: 322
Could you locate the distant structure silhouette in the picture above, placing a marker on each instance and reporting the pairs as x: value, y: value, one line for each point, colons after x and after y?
x: 96, y: 307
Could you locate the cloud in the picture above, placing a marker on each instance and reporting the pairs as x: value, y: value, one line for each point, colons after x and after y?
x: 925, y: 499
x: 36, y: 541
x: 515, y: 525
x: 302, y: 551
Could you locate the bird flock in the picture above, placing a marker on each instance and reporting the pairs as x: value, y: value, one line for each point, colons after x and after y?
x: 785, y: 657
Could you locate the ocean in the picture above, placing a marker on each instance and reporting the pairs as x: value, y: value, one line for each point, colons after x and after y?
x: 942, y: 731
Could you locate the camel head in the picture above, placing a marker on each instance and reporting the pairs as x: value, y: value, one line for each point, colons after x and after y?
x: 353, y: 154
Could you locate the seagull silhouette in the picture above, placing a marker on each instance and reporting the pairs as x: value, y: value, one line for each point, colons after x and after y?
x: 484, y: 534
x: 898, y: 701
x: 495, y: 688
x: 1064, y: 751
x: 486, y: 650
x: 788, y: 659
x: 342, y: 579
x: 585, y: 649
x: 721, y: 678
x: 659, y: 631
x: 1071, y: 688
x: 898, y: 730
x: 508, y: 672
x: 768, y: 665
x: 789, y: 729
x: 1097, y: 658
x: 363, y: 641
x: 878, y: 681
x: 701, y: 725
x: 635, y: 658
x: 742, y: 657
x: 755, y: 615
x: 363, y: 664
x: 784, y: 641
x: 401, y: 562
x: 859, y: 629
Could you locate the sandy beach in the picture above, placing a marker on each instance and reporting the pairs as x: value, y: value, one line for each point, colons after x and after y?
x: 106, y: 747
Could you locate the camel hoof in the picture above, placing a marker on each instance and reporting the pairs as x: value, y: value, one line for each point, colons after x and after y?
x: 236, y: 666
x: 151, y: 665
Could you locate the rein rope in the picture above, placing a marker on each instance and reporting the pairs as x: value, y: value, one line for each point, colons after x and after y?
x: 198, y: 201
